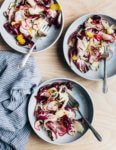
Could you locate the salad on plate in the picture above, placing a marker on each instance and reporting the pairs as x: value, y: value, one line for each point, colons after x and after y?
x: 25, y: 19
x: 52, y: 112
x: 87, y: 43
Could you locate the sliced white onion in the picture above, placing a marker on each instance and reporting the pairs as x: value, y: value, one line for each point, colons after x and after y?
x: 52, y: 106
x: 22, y: 30
x: 106, y: 36
x: 52, y: 13
x: 37, y: 125
x: 35, y: 10
x: 31, y: 2
x: 19, y: 15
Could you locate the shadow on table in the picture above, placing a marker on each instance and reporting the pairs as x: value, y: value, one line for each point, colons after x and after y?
x: 60, y: 49
x: 1, y: 2
x: 35, y: 138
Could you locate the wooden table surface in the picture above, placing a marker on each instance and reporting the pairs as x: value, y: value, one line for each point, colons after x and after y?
x: 52, y: 64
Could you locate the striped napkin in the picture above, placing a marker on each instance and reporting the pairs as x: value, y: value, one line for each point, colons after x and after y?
x: 16, y: 86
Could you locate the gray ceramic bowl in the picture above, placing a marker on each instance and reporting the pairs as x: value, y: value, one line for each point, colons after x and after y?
x: 43, y: 44
x: 90, y: 75
x: 86, y: 107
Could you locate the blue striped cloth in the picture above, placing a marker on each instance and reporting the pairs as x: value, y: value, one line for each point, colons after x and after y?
x: 16, y: 86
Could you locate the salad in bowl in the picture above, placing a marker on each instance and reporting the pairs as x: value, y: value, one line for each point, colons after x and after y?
x: 52, y: 117
x: 87, y: 43
x: 52, y: 112
x: 26, y: 18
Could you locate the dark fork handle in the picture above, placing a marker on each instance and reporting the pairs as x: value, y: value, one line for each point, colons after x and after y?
x: 97, y: 135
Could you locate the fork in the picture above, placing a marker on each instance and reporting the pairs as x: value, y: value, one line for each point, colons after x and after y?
x: 44, y: 29
x: 74, y: 103
x: 105, y: 56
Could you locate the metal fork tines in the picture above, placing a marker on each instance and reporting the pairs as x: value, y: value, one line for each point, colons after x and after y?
x: 44, y: 29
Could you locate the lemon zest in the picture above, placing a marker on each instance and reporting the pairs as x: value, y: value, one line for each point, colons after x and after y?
x: 74, y: 58
x: 55, y: 6
x: 90, y: 34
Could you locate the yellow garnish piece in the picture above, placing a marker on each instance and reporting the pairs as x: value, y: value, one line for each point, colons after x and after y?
x: 14, y: 23
x: 109, y: 31
x: 74, y: 58
x: 55, y: 6
x: 20, y: 39
x: 50, y: 91
x: 30, y: 30
x: 90, y: 34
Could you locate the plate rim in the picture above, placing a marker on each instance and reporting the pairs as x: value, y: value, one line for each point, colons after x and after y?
x: 46, y: 82
x: 34, y: 52
x: 69, y: 27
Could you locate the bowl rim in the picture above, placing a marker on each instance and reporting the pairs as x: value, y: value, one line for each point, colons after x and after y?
x: 53, y: 80
x: 70, y: 26
x: 35, y: 52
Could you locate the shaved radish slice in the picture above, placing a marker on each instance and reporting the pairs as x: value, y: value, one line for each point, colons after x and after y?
x: 25, y: 25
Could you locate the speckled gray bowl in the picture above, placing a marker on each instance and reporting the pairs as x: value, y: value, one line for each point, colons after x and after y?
x: 90, y: 75
x: 43, y: 43
x: 86, y: 107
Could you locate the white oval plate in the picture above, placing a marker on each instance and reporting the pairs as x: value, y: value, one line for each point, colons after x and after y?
x: 86, y: 108
x: 90, y: 75
x: 43, y: 44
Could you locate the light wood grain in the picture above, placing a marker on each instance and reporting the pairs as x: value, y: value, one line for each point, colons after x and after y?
x: 52, y: 64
